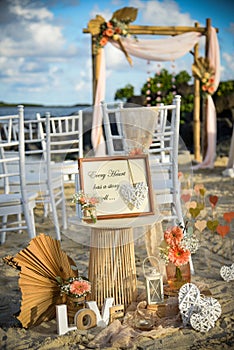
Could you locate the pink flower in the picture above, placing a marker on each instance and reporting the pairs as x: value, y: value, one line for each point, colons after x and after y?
x: 80, y: 287
x: 178, y: 256
x: 93, y: 200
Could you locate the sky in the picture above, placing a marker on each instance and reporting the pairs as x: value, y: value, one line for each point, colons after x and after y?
x: 45, y: 57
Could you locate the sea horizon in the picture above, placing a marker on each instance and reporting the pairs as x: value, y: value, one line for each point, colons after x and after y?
x: 30, y: 111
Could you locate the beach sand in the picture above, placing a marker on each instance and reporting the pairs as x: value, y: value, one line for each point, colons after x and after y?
x: 214, y: 252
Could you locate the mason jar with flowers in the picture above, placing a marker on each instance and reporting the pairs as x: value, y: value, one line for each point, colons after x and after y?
x: 88, y: 206
x: 74, y: 291
x: 175, y: 251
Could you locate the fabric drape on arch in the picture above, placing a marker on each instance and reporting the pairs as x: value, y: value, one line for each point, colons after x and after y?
x: 157, y: 50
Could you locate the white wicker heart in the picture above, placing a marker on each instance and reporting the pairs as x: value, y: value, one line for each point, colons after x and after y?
x: 189, y: 296
x: 199, y: 311
x: 134, y: 195
x: 227, y: 273
x: 210, y: 311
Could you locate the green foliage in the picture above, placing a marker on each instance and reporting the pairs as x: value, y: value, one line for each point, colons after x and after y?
x: 165, y: 84
x: 225, y: 88
x: 124, y: 93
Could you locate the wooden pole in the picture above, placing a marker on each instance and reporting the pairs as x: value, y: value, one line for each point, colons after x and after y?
x: 204, y: 102
x: 196, y: 111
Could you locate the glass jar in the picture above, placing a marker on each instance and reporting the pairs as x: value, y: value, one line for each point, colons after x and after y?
x: 89, y: 214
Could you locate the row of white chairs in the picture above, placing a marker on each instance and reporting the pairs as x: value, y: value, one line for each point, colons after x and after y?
x: 46, y: 143
x: 37, y: 156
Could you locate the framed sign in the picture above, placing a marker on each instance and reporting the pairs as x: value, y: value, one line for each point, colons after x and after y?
x: 123, y: 184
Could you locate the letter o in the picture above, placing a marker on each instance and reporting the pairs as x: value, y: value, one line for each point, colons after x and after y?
x: 85, y: 319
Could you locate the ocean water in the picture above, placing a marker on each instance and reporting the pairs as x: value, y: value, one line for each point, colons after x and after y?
x: 30, y: 112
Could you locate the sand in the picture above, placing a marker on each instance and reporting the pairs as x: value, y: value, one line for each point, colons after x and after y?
x: 214, y: 252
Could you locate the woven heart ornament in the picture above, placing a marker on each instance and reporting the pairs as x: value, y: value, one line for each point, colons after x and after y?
x: 133, y: 195
x: 208, y: 312
x: 227, y: 273
x: 198, y: 311
x: 189, y: 296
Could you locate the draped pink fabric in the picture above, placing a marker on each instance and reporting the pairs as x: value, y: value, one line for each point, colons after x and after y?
x: 214, y: 59
x: 97, y: 138
x: 159, y: 50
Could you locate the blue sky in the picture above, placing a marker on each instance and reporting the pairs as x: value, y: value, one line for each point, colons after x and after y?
x: 46, y: 58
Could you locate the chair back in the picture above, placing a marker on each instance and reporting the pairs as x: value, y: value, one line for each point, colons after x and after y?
x: 12, y: 157
x: 113, y: 130
x: 64, y: 137
x: 12, y: 169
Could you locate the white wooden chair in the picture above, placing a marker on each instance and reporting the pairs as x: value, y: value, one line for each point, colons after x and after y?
x: 163, y: 150
x: 16, y: 207
x: 65, y: 135
x: 50, y: 193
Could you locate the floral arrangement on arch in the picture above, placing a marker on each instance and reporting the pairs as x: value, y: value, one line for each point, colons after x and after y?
x: 205, y: 73
x: 177, y: 246
x: 114, y: 29
x: 76, y: 287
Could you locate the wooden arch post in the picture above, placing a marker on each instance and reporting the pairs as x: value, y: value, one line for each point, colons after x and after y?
x: 171, y: 30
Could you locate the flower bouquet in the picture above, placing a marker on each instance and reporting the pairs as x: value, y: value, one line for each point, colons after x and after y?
x: 175, y: 250
x: 88, y: 206
x: 74, y: 290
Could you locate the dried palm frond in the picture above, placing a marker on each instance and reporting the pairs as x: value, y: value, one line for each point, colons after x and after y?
x: 40, y: 265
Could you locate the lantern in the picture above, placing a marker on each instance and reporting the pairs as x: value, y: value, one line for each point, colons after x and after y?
x: 154, y: 280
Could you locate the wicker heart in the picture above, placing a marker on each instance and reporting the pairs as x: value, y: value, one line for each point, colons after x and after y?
x: 227, y: 273
x: 212, y: 225
x: 200, y: 225
x: 135, y: 195
x: 208, y: 312
x: 189, y: 296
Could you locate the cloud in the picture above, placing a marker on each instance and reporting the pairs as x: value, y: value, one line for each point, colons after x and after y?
x: 32, y: 33
x: 162, y: 13
x: 228, y: 62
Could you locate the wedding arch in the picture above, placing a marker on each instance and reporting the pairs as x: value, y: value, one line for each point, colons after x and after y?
x: 182, y: 40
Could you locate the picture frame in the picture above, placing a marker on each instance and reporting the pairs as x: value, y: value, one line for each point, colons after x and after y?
x: 123, y: 184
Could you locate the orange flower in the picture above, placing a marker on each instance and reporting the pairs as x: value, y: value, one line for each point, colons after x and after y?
x: 103, y: 40
x: 109, y: 32
x: 173, y: 236
x: 178, y: 256
x: 109, y: 25
x: 118, y: 30
x: 211, y: 90
x: 80, y: 287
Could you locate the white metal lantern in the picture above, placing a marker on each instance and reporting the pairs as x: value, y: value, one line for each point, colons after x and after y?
x: 154, y: 280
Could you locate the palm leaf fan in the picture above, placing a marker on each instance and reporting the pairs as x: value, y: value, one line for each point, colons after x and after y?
x: 40, y: 264
x: 126, y: 14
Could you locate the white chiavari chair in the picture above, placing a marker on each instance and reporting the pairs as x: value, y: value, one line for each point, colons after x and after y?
x: 16, y: 206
